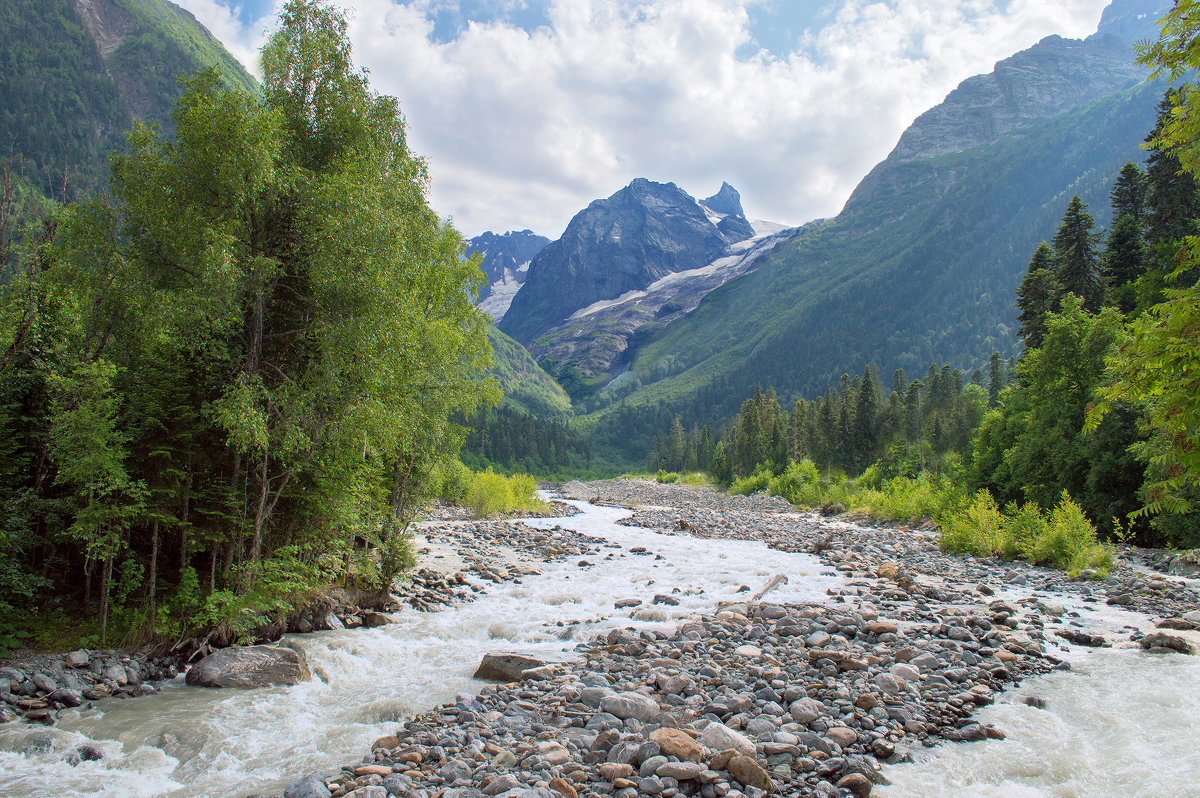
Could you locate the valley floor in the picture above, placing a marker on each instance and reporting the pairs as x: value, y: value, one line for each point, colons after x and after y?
x: 756, y: 696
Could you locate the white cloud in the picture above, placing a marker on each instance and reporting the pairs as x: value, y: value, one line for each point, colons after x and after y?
x: 524, y: 129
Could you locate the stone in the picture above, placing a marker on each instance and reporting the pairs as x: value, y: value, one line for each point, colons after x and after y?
x: 311, y: 785
x: 720, y: 737
x: 505, y: 667
x: 44, y: 683
x: 373, y: 791
x: 563, y: 788
x: 630, y: 705
x: 748, y: 651
x: 678, y: 744
x: 680, y: 770
x: 116, y: 673
x: 66, y: 697
x: 502, y: 784
x: 856, y: 784
x: 250, y: 666
x: 610, y: 771
x: 747, y: 771
x: 373, y: 620
x: 77, y: 659
x: 1165, y: 641
x: 842, y: 735
x: 806, y: 710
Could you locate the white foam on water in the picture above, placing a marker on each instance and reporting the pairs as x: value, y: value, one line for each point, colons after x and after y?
x: 1121, y: 722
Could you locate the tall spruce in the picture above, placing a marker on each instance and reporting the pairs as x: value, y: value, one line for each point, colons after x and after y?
x: 1075, y: 255
x: 1037, y: 295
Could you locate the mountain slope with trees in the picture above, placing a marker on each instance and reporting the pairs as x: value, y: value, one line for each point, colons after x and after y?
x: 77, y: 74
x: 922, y: 263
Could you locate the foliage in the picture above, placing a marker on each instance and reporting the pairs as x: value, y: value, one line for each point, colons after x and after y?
x: 490, y: 493
x: 235, y: 375
x: 1066, y: 540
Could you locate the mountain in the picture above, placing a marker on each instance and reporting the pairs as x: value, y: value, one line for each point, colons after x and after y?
x: 526, y: 387
x: 78, y: 73
x: 921, y: 264
x: 626, y: 267
x: 505, y: 263
x: 623, y: 243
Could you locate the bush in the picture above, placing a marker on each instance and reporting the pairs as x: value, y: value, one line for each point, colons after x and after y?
x: 977, y: 529
x: 758, y: 481
x: 666, y: 478
x: 490, y: 493
x: 1069, y: 541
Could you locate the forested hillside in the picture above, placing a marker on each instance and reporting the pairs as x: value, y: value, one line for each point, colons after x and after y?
x: 75, y: 74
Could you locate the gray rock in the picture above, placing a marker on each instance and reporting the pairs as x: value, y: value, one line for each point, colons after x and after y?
x: 630, y: 705
x: 806, y: 710
x: 77, y: 659
x: 44, y: 683
x: 66, y: 697
x: 720, y: 737
x: 311, y: 785
x: 251, y: 666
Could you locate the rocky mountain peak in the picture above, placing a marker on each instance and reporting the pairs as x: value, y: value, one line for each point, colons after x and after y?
x: 727, y: 201
x: 1053, y: 77
x: 1132, y: 21
x: 623, y: 243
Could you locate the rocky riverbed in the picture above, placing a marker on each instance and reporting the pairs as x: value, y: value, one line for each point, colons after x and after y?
x: 758, y: 697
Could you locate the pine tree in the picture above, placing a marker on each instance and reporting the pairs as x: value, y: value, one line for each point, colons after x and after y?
x: 1123, y: 262
x: 1037, y: 295
x: 1172, y: 198
x: 1128, y: 194
x: 1075, y: 258
x: 995, y: 379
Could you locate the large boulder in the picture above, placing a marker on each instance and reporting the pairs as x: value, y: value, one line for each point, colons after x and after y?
x: 506, y: 667
x: 250, y: 666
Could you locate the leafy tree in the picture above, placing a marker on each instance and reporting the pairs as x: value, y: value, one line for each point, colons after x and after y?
x: 1158, y: 369
x: 995, y: 379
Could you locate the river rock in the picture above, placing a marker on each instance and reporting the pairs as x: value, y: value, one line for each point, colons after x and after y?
x: 806, y: 710
x: 505, y: 667
x: 749, y: 773
x: 1169, y: 642
x: 630, y: 705
x: 678, y: 744
x: 311, y: 785
x: 250, y: 666
x: 77, y: 659
x: 720, y: 737
x: 856, y: 784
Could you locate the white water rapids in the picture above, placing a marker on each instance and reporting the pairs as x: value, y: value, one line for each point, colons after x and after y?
x: 1118, y: 725
x: 196, y: 742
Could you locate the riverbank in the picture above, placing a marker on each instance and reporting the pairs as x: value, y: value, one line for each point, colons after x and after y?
x: 749, y: 698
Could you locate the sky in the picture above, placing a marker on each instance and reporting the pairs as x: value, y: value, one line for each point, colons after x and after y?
x: 527, y: 110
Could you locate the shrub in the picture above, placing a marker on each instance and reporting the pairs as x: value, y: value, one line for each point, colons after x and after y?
x: 490, y: 493
x: 759, y: 480
x: 1025, y: 525
x: 1069, y: 541
x: 666, y: 478
x: 977, y: 529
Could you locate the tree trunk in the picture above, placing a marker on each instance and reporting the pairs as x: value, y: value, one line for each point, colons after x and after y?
x: 260, y: 512
x: 153, y: 571
x: 105, y: 579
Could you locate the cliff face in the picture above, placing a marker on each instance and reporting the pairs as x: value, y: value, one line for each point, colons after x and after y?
x: 1051, y: 78
x: 506, y: 260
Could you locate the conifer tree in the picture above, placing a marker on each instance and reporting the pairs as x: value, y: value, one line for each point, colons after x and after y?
x: 1128, y: 194
x: 1037, y: 295
x: 1075, y: 257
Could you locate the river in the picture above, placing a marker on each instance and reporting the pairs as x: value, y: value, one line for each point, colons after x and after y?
x: 1107, y: 729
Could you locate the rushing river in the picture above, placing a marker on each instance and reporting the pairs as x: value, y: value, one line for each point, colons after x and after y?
x: 1122, y: 723
x: 196, y: 742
